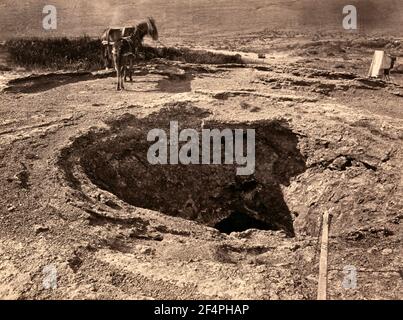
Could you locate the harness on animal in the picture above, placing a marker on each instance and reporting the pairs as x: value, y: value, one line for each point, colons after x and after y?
x: 129, y: 40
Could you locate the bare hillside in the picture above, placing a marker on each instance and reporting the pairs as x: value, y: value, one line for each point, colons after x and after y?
x: 197, y: 17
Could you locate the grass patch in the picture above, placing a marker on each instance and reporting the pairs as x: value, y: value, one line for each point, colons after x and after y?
x: 81, y: 53
x: 85, y: 53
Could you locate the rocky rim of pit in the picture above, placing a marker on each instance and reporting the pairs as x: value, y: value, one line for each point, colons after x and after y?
x: 115, y: 160
x: 296, y: 173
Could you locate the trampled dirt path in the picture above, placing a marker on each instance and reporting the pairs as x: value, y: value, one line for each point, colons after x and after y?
x: 347, y: 130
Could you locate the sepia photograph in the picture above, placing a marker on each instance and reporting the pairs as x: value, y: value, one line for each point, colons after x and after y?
x: 220, y: 151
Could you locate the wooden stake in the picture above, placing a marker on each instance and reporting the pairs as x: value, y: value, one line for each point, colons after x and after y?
x: 322, y: 283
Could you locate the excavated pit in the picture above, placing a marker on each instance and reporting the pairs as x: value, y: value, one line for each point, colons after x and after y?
x: 214, y: 195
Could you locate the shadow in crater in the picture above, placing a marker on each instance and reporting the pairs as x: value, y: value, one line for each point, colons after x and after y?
x: 240, y: 221
x: 210, y: 194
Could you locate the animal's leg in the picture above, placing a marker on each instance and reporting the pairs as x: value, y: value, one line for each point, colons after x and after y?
x: 118, y: 74
x: 107, y: 57
x: 122, y: 85
x: 117, y: 61
x: 118, y: 85
x: 104, y: 56
x: 131, y: 69
x: 112, y: 60
x: 125, y: 74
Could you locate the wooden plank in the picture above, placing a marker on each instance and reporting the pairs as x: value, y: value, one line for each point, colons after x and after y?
x: 322, y: 282
x: 377, y: 64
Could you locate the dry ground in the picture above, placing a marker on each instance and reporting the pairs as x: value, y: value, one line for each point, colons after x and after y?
x: 347, y: 129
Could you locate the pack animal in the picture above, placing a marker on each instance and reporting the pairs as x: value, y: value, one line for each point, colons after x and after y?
x: 137, y: 32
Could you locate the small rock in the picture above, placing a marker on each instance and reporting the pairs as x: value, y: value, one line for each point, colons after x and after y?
x: 10, y: 208
x: 294, y: 247
x: 386, y: 252
x: 31, y: 156
x: 145, y: 250
x: 255, y: 109
x: 112, y: 204
x: 155, y: 236
x: 22, y: 177
x: 339, y: 164
x: 397, y: 93
x: 39, y: 229
x: 75, y: 263
x: 280, y: 234
x: 371, y: 250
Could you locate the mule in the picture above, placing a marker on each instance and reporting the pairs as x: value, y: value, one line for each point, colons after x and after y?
x: 139, y: 32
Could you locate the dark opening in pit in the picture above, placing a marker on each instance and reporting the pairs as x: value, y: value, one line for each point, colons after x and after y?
x: 240, y: 221
x: 214, y: 195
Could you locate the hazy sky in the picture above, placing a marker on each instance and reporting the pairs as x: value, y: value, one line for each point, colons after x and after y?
x: 191, y: 17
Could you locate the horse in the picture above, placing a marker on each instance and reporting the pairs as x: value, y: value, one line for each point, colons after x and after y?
x: 139, y: 31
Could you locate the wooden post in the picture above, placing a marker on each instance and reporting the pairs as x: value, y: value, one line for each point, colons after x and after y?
x: 322, y: 282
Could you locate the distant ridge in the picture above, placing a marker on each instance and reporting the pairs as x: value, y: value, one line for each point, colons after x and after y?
x: 194, y: 18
